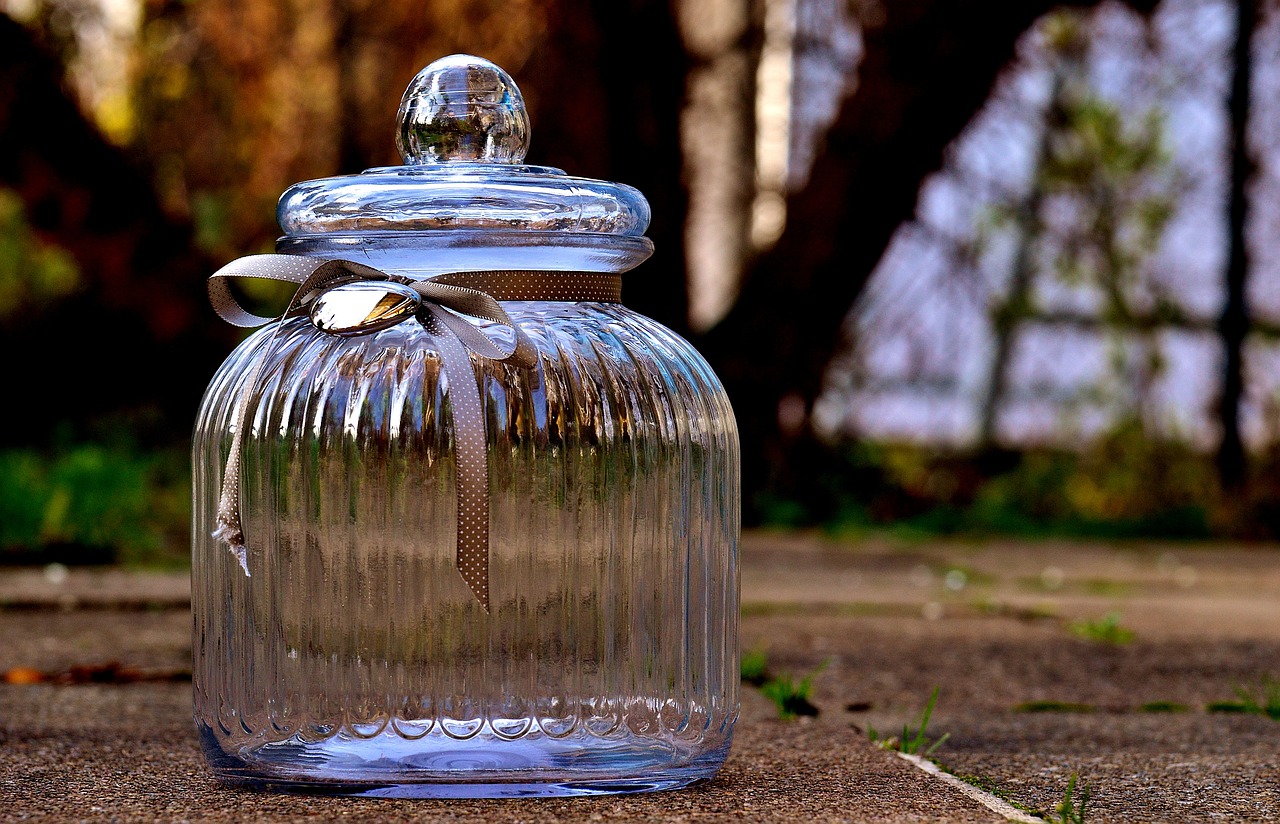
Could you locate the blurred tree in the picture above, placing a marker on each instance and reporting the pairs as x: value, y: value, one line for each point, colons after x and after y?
x: 1106, y: 176
x: 282, y: 91
x: 235, y: 101
x: 1234, y: 323
x: 606, y: 87
x: 231, y: 103
x: 720, y: 133
x: 927, y: 68
x: 133, y: 315
x: 32, y: 271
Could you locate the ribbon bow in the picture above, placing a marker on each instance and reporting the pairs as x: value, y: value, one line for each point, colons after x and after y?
x: 443, y: 300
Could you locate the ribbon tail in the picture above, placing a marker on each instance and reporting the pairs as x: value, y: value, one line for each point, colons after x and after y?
x: 471, y: 459
x: 229, y: 528
x: 312, y: 274
x: 236, y: 547
x: 228, y: 522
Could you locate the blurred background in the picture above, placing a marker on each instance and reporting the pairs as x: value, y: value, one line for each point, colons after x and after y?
x: 998, y: 267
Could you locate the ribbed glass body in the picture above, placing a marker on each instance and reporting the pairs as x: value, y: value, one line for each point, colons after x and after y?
x: 354, y: 658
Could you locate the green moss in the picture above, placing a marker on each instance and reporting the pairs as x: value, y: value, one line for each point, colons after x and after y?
x: 1226, y: 707
x: 1164, y: 706
x: 1053, y: 706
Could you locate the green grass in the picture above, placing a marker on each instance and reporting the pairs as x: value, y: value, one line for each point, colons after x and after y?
x: 792, y: 698
x: 1104, y: 630
x: 1071, y: 810
x: 1053, y: 706
x: 754, y: 667
x: 1226, y: 707
x: 1164, y: 706
x: 913, y: 741
x: 1265, y: 702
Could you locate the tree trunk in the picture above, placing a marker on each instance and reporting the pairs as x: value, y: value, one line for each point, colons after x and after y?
x: 1234, y: 325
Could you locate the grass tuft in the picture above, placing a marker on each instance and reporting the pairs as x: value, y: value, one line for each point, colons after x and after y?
x: 912, y: 741
x: 1104, y: 630
x: 791, y: 698
x: 755, y: 666
x: 1071, y: 810
x: 1265, y: 702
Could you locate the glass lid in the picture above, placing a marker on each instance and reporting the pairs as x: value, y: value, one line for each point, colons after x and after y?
x: 462, y: 132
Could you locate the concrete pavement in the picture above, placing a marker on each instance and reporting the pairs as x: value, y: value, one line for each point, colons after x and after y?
x: 1014, y: 635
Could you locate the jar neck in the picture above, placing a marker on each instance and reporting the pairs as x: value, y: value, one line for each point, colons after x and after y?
x: 430, y: 253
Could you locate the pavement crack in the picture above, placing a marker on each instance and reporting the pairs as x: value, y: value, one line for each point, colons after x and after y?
x: 993, y: 803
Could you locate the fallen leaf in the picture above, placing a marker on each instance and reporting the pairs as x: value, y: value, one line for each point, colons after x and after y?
x: 24, y: 675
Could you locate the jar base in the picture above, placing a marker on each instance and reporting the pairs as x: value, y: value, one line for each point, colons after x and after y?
x: 388, y: 766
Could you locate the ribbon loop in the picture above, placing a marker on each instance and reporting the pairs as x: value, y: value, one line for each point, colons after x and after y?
x: 447, y: 301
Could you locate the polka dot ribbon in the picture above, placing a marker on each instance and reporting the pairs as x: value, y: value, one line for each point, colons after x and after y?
x: 445, y: 300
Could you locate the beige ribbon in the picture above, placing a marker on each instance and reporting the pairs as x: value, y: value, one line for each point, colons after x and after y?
x: 444, y: 300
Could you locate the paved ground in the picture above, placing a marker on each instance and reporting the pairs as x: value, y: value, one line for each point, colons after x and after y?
x: 1004, y: 645
x: 993, y: 626
x: 128, y: 753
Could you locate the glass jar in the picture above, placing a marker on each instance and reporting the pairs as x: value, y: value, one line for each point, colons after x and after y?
x: 346, y: 648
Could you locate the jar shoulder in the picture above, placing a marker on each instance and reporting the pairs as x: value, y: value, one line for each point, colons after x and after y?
x: 577, y: 344
x: 602, y: 331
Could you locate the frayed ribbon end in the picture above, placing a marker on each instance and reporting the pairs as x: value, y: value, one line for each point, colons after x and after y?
x: 234, y: 539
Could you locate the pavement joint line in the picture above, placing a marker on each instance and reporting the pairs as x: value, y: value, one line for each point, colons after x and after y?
x: 993, y: 803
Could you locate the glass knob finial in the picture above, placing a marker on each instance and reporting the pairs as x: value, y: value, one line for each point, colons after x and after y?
x: 462, y: 109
